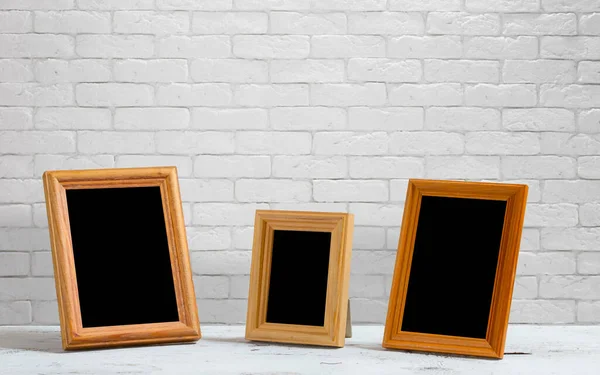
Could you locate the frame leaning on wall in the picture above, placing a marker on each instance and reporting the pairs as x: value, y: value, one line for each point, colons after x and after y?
x: 74, y: 335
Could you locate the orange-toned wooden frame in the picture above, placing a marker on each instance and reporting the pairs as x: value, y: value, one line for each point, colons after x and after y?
x: 341, y: 226
x: 74, y: 336
x: 493, y: 345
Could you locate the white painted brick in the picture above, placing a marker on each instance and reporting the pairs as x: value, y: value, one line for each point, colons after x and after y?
x: 570, y: 96
x: 376, y: 214
x: 37, y: 4
x: 16, y: 118
x: 273, y: 143
x: 392, y: 239
x: 588, y: 263
x: 541, y: 167
x: 384, y: 70
x: 156, y: 23
x: 226, y: 213
x: 16, y: 70
x: 580, y: 287
x: 485, y: 47
x: 41, y: 263
x: 14, y: 264
x: 426, y: 143
x: 538, y: 119
x: 52, y: 118
x: 542, y: 312
x: 211, y: 286
x: 462, y: 167
x: 353, y: 5
x: 64, y: 71
x: 525, y: 287
x: 16, y: 22
x: 232, y: 166
x: 425, y: 5
x: 570, y: 47
x: 22, y: 239
x: 350, y: 191
x: 205, y: 46
x: 499, y: 143
x: 589, y: 24
x: 187, y: 213
x: 56, y: 162
x: 40, y: 218
x: 460, y: 23
x: 535, y: 191
x: 386, y: 167
x: 308, y: 118
x: 242, y: 240
x: 580, y: 191
x: 368, y: 238
x: 230, y: 23
x: 310, y: 24
x: 222, y: 119
x: 151, y: 71
x: 185, y: 143
x: 271, y: 46
x: 588, y: 312
x: 408, y: 46
x: 111, y: 142
x: 16, y: 215
x: 247, y: 190
x: 114, y: 94
x: 461, y: 71
x: 30, y: 142
x: 589, y: 121
x: 15, y: 313
x: 222, y: 310
x: 348, y: 94
x: 183, y: 164
x: 195, y: 4
x: 152, y: 118
x: 398, y: 189
x: 115, y: 4
x: 72, y: 22
x: 310, y: 167
x: 589, y: 214
x: 291, y: 71
x: 348, y: 143
x: 588, y: 72
x: 273, y: 4
x: 462, y: 119
x: 311, y: 206
x: 441, y: 94
x: 530, y: 239
x: 36, y: 45
x: 115, y: 46
x: 551, y: 215
x: 343, y: 46
x: 195, y: 190
x: 589, y: 167
x: 367, y: 286
x: 507, y: 6
x: 199, y: 94
x: 368, y: 311
x: 504, y: 95
x: 538, y: 71
x: 570, y: 144
x: 386, y: 23
x: 571, y: 5
x: 16, y: 166
x: 229, y: 70
x: 373, y: 262
x: 32, y: 94
x: 571, y: 239
x: 271, y: 95
x: 387, y: 119
x: 209, y: 238
x: 540, y: 24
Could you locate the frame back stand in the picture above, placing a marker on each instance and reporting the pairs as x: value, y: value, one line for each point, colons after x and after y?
x: 349, y: 322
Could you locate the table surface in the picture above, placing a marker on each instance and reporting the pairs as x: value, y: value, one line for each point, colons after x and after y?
x: 530, y: 350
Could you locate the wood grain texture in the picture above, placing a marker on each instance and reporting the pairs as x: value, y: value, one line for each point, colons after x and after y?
x: 74, y: 336
x: 341, y: 226
x: 493, y: 345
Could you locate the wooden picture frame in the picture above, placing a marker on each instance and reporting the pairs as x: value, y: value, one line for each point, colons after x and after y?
x: 333, y: 331
x: 74, y: 334
x: 493, y: 336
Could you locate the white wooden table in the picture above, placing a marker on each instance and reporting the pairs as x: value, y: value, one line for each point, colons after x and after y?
x: 530, y: 350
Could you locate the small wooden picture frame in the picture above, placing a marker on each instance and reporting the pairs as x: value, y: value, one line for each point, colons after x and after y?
x: 120, y: 255
x: 299, y: 277
x: 455, y: 267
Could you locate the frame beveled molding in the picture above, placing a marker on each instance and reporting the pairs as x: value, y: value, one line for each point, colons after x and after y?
x: 74, y: 335
x: 341, y: 226
x: 493, y: 345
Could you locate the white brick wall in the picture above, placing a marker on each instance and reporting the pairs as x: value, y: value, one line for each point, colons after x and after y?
x: 328, y: 105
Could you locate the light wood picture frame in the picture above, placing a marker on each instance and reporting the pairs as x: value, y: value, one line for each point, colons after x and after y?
x: 162, y: 184
x: 268, y: 223
x: 495, y: 304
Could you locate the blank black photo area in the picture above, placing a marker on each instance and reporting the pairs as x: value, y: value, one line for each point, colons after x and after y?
x: 121, y: 254
x: 298, y: 279
x: 453, y: 268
